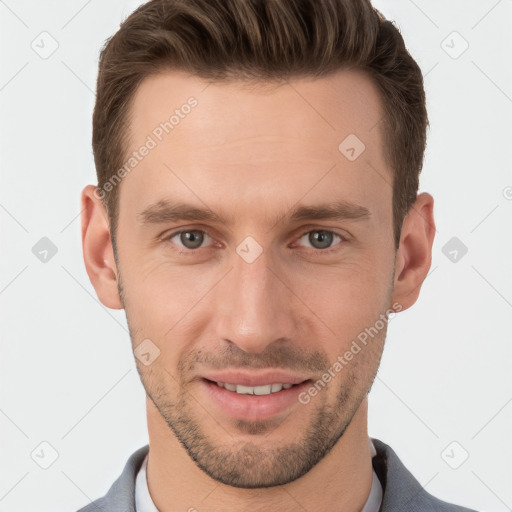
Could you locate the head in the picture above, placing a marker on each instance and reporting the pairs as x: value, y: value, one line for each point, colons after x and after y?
x: 257, y: 210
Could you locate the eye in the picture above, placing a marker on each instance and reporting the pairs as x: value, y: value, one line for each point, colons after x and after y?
x: 189, y: 239
x: 322, y: 239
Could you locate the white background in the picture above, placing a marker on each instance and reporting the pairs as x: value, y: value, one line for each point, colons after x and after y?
x: 67, y: 372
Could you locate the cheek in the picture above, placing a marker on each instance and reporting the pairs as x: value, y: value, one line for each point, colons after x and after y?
x: 163, y: 302
x: 347, y: 302
x: 351, y: 291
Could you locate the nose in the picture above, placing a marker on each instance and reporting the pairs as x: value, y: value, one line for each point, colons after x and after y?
x: 255, y: 306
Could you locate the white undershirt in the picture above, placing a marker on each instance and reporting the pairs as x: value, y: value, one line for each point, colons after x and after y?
x: 144, y: 503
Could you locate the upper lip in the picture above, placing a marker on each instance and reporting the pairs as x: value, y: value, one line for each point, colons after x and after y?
x: 255, y: 379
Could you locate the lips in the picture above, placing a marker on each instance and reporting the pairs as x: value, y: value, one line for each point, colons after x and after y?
x: 253, y: 396
x: 252, y: 379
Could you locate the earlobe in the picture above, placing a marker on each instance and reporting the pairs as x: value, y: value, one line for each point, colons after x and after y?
x: 97, y: 249
x: 414, y: 255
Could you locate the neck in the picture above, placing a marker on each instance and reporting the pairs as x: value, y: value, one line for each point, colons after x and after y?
x: 340, y: 481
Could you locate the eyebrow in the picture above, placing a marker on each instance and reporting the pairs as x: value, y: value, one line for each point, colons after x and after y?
x: 165, y: 211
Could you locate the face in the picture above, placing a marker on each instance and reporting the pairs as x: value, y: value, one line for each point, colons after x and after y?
x: 235, y: 270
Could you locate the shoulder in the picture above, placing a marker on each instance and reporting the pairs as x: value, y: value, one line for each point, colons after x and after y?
x: 121, y: 495
x: 96, y: 505
x: 401, y: 490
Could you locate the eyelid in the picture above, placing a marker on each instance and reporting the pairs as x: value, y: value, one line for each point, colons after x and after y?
x: 182, y: 249
x: 335, y: 247
x: 305, y: 231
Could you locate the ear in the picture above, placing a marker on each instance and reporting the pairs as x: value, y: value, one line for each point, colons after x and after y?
x: 414, y: 255
x: 97, y: 249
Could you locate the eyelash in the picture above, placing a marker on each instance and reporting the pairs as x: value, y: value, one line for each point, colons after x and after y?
x: 329, y: 250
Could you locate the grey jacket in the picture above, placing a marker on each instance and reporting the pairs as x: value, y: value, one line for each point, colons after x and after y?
x: 401, y: 491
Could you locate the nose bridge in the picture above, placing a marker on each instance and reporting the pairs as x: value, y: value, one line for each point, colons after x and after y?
x: 254, y: 304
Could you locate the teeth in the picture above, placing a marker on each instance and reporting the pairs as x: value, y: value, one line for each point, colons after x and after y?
x: 245, y: 390
x: 267, y: 389
x: 263, y: 390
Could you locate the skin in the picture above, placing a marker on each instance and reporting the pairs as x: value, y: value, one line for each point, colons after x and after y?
x: 252, y: 154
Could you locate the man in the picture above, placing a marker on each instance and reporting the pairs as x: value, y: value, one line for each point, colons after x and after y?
x: 257, y: 217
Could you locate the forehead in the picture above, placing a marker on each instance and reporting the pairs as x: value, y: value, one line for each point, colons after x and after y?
x: 262, y: 142
x: 339, y: 104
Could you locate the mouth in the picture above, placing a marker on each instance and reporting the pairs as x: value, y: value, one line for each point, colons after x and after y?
x: 253, y: 403
x: 262, y: 390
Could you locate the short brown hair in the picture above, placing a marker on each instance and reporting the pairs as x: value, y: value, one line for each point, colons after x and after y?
x: 262, y: 40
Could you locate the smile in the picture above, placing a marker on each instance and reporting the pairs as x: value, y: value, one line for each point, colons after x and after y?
x: 265, y: 389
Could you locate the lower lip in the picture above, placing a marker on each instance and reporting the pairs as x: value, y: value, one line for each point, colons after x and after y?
x: 253, y: 407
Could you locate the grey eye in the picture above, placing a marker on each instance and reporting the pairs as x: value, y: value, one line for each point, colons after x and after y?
x: 320, y: 239
x: 191, y: 239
